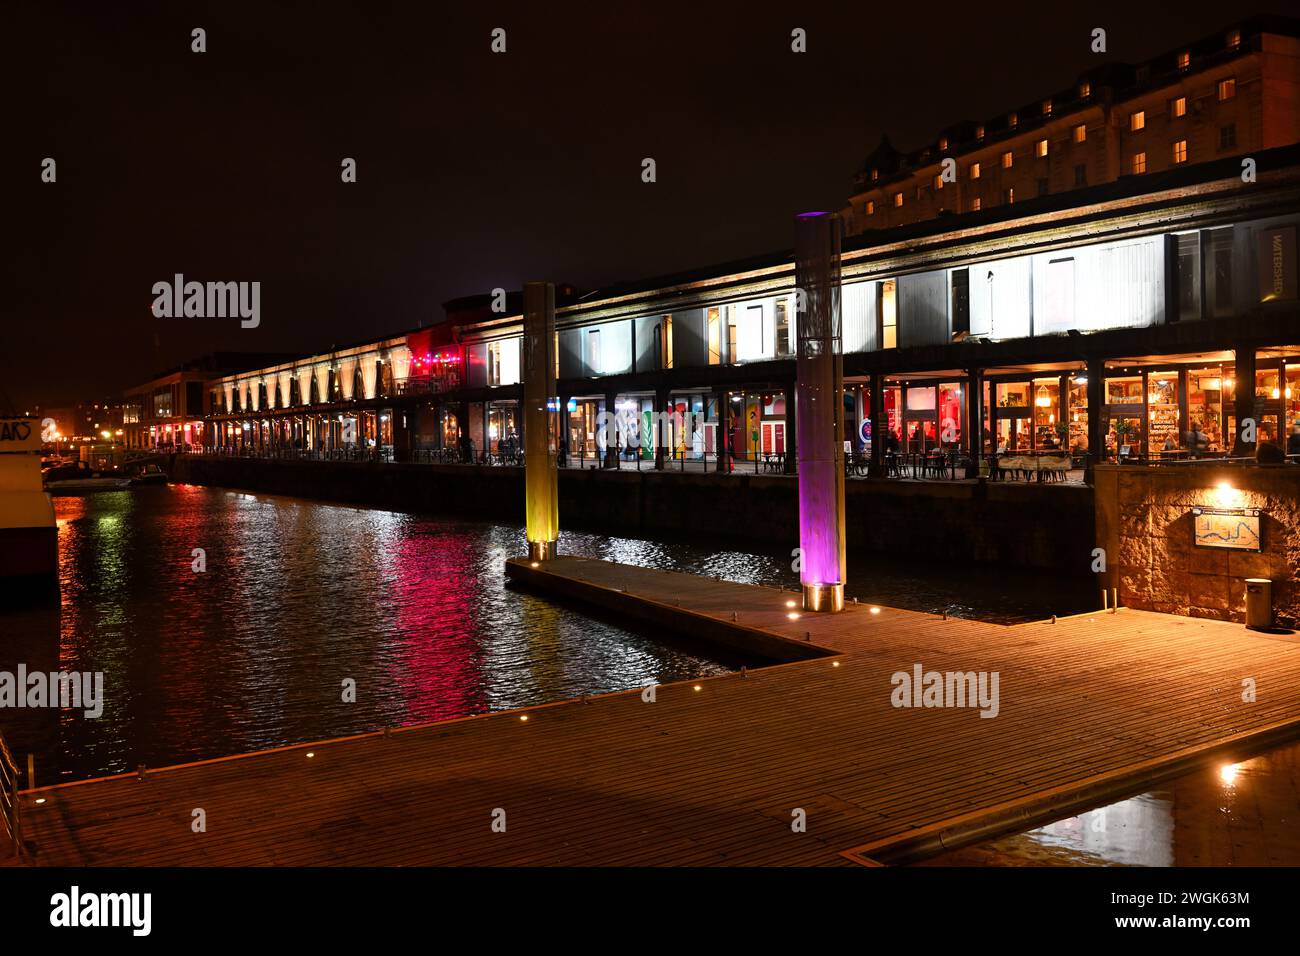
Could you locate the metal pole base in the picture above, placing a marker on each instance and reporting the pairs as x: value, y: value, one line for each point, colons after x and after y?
x: 545, y: 550
x: 823, y: 597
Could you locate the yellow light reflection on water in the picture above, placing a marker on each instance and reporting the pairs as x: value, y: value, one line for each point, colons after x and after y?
x: 1228, y: 773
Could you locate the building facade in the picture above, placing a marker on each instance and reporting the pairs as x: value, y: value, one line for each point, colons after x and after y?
x: 1138, y: 320
x: 1232, y: 94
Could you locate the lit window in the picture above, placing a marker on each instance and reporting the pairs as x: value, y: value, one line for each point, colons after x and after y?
x: 974, y: 170
x: 943, y: 142
x: 1013, y: 120
x: 889, y: 313
x: 1085, y: 90
x: 871, y: 208
x: 1080, y: 133
x: 1180, y: 151
x: 1178, y: 107
x: 975, y: 204
x: 898, y: 199
x: 1234, y: 39
x: 938, y: 182
x: 1184, y: 60
x: 1047, y: 107
x: 1139, y: 163
x: 1009, y: 195
x: 1041, y: 147
x: 1227, y: 89
x: 979, y: 132
x: 875, y: 174
x: 1006, y: 160
x: 1137, y: 121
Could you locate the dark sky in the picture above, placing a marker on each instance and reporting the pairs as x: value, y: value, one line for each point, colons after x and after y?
x: 475, y: 170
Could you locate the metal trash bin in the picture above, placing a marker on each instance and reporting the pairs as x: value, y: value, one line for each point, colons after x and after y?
x: 1259, y: 603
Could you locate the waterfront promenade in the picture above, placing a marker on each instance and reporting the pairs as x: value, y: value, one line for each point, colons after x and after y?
x: 712, y: 771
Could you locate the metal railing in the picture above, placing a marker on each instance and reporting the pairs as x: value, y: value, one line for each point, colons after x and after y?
x: 9, y: 804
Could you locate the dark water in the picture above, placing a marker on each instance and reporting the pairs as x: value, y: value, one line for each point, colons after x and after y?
x: 1243, y: 813
x: 300, y: 596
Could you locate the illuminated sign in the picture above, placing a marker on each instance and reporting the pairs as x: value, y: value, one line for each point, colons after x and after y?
x: 1235, y: 529
x: 1275, y: 253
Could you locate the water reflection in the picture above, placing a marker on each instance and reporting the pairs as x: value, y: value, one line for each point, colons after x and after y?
x: 299, y: 597
x: 1227, y: 814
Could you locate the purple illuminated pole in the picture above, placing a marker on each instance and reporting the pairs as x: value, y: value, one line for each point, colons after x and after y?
x: 819, y: 410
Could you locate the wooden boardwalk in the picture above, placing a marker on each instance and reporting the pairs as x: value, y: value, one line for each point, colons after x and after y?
x: 1091, y: 708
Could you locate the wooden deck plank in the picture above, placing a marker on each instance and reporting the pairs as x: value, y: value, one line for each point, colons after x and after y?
x: 710, y: 777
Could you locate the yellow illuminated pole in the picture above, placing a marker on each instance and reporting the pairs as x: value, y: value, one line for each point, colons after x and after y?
x: 541, y: 480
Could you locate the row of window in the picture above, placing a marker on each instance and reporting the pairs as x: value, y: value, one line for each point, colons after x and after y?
x: 1137, y: 120
x: 1137, y: 164
x: 1227, y: 89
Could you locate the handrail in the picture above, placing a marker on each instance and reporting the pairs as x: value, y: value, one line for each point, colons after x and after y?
x: 9, y: 804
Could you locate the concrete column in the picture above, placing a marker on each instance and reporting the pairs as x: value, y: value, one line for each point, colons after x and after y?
x: 879, y: 431
x: 612, y: 449
x: 562, y: 433
x: 820, y: 410
x: 722, y: 400
x: 401, y: 434
x: 1096, y: 410
x: 975, y: 414
x: 541, y: 480
x: 1244, y: 400
x: 662, y: 399
x: 791, y: 430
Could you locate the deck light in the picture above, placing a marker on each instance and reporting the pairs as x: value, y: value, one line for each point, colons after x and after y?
x: 789, y: 603
x: 523, y: 718
x: 311, y: 753
x: 536, y: 564
x: 793, y: 615
x: 698, y: 687
x: 875, y: 610
x: 1228, y: 773
x: 835, y: 663
x: 40, y: 799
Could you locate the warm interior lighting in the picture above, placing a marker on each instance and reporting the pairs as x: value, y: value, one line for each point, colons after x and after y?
x: 1277, y: 393
x: 1044, y: 399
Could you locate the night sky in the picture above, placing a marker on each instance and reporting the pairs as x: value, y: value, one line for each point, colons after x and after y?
x: 475, y: 170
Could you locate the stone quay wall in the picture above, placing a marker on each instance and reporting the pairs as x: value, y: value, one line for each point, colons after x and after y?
x: 1015, y: 524
x: 1145, y: 524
